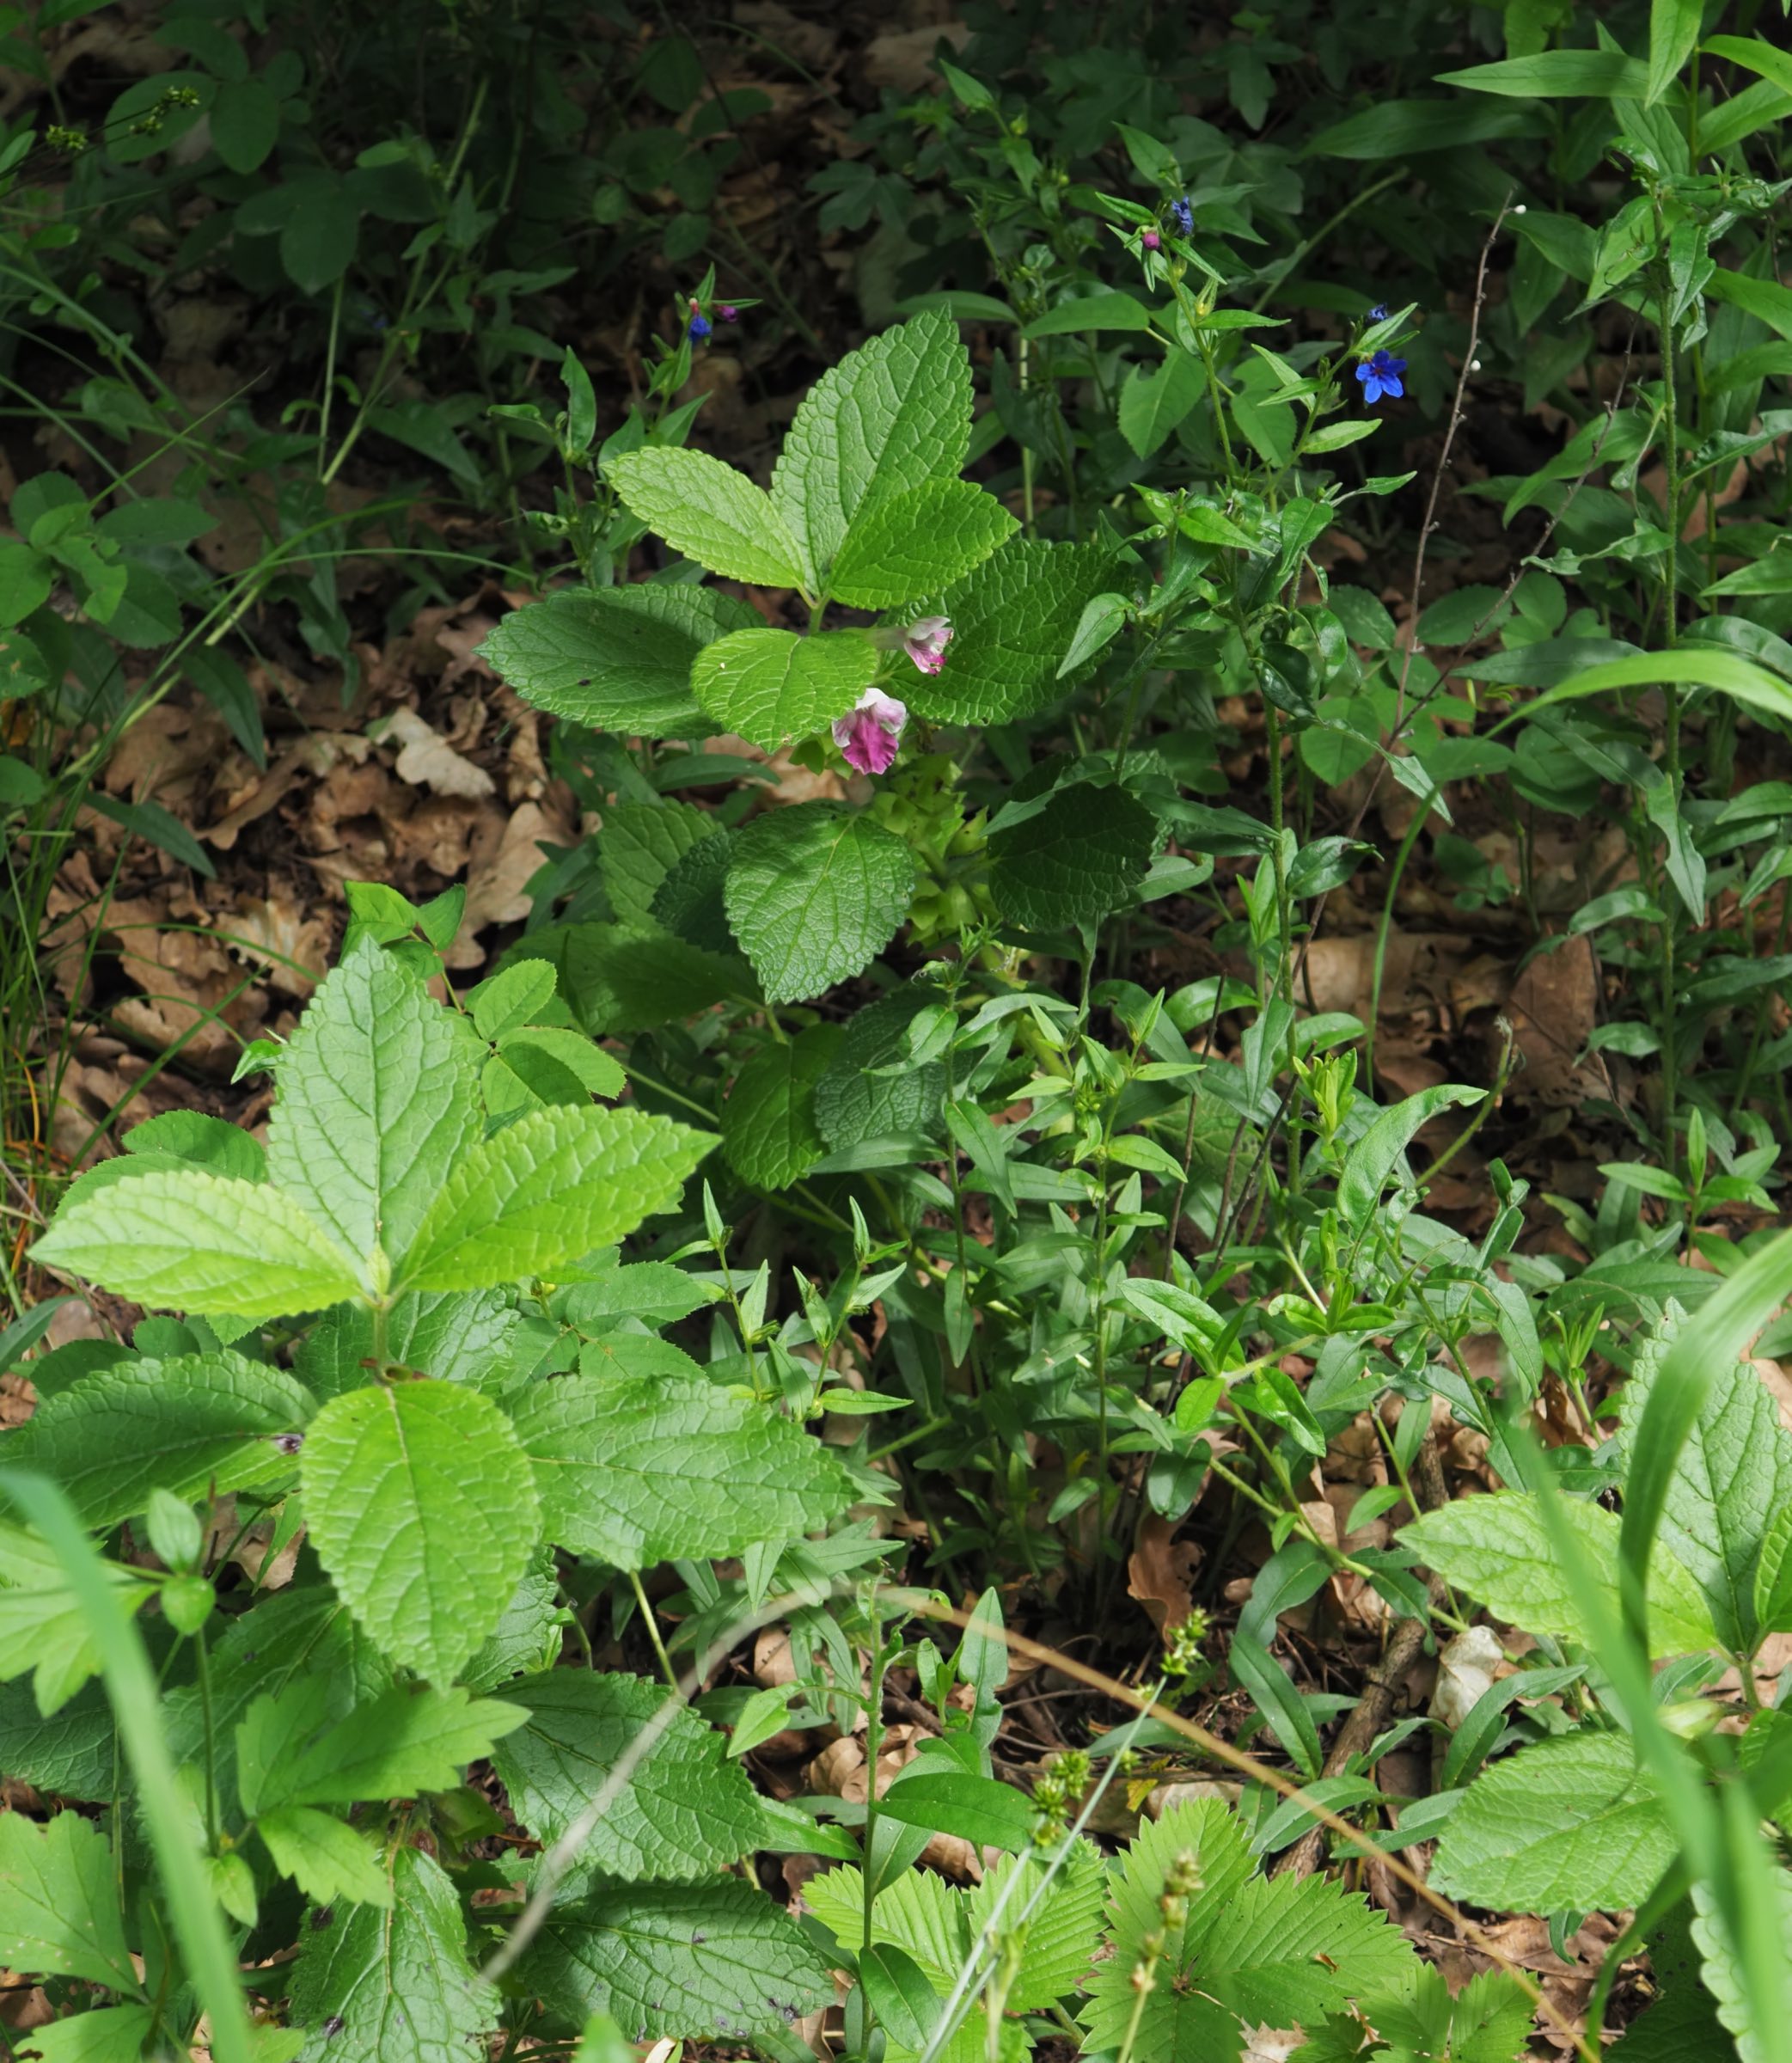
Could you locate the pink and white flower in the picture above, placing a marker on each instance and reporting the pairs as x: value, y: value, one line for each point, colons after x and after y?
x: 870, y: 732
x: 925, y: 641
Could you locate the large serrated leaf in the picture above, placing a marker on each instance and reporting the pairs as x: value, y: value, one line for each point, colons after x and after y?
x: 375, y: 1986
x: 1498, y: 1549
x: 679, y: 1960
x: 1572, y: 1824
x: 547, y: 1190
x: 873, y: 1088
x: 709, y: 512
x: 1733, y: 1474
x: 772, y: 685
x: 813, y: 892
x: 1013, y: 620
x: 768, y: 1126
x: 196, y: 1425
x: 291, y: 1750
x: 377, y: 1099
x: 527, y: 1638
x: 647, y: 1471
x: 475, y: 1336
x: 1074, y: 860
x: 202, y: 1244
x: 58, y: 1902
x: 890, y: 416
x: 686, y: 1812
x: 619, y: 979
x: 913, y: 543
x: 421, y: 1506
x: 616, y: 658
x: 638, y: 844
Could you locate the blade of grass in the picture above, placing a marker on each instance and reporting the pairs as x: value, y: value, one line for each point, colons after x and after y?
x: 131, y: 1685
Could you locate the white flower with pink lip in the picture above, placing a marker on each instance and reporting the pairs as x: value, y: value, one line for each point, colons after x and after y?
x: 870, y: 732
x: 925, y: 641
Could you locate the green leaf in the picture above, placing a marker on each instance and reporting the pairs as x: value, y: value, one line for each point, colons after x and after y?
x: 1571, y: 75
x: 1103, y: 618
x: 327, y: 1860
x: 198, y: 1243
x: 1674, y: 27
x: 43, y: 1627
x: 196, y: 1425
x: 26, y: 578
x: 709, y: 512
x: 1733, y: 1475
x: 547, y: 1190
x: 515, y: 995
x: 987, y: 1813
x: 639, y: 845
x: 771, y: 685
x: 1771, y: 64
x: 207, y: 1142
x: 1013, y: 620
x: 318, y: 242
x: 59, y: 1903
x: 1074, y: 859
x: 70, y: 1753
x: 916, y: 1912
x: 392, y: 1985
x: 617, y: 659
x: 813, y: 892
x: 1062, y: 1937
x: 1498, y: 1549
x: 639, y: 1472
x: 376, y: 1102
x: 1099, y: 311
x: 873, y: 1088
x: 1252, y: 1949
x: 1372, y: 1162
x: 1152, y: 404
x: 769, y: 1125
x: 908, y: 544
x: 420, y: 1506
x: 114, y: 2033
x: 897, y: 1990
x: 1567, y: 1825
x: 615, y: 979
x: 410, y: 1738
x: 1692, y: 666
x: 527, y: 1638
x: 1488, y: 2021
x: 686, y: 1812
x: 245, y: 123
x: 479, y: 1339
x: 679, y: 1960
x: 893, y: 414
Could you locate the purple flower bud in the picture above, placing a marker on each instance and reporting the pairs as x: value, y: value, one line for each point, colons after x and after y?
x: 869, y: 733
x: 927, y: 641
x: 729, y: 312
x: 1150, y: 239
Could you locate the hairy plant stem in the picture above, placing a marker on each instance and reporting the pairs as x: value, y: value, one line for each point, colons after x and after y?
x: 652, y: 1627
x: 1669, y: 927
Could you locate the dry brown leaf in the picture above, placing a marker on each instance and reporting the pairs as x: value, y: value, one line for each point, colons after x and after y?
x: 426, y: 760
x: 1159, y: 1572
x: 1552, y: 1009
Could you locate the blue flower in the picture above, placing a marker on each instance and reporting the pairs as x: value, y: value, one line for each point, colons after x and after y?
x: 1182, y: 213
x: 699, y: 325
x: 1379, y: 313
x: 1381, y: 374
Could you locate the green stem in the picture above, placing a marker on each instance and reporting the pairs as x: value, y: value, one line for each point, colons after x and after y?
x: 204, y: 1675
x: 652, y: 1627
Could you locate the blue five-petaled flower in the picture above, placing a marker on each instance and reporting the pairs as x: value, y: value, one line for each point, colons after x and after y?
x: 1379, y: 313
x: 1181, y: 212
x: 1380, y: 375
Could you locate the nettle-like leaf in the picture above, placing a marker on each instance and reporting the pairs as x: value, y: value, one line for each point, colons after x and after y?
x: 1573, y: 1824
x: 616, y: 658
x: 619, y: 979
x: 872, y: 1086
x: 392, y: 1985
x: 328, y: 1859
x: 1012, y: 618
x: 889, y: 416
x: 1724, y: 1973
x: 1498, y: 1549
x: 378, y: 1102
x: 917, y: 541
x: 768, y: 1124
x: 773, y: 685
x: 687, y: 1811
x: 546, y: 1190
x: 639, y: 1472
x: 639, y: 844
x: 813, y: 893
x: 1253, y: 1951
x: 527, y: 1638
x: 475, y: 1337
x: 202, y: 1244
x: 709, y: 512
x: 916, y: 1912
x: 1734, y: 1475
x: 59, y: 1902
x: 114, y: 2033
x: 679, y: 1960
x: 421, y: 1506
x: 1076, y: 857
x: 192, y: 1424
x: 1487, y: 2021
